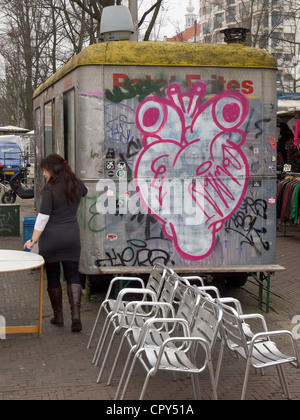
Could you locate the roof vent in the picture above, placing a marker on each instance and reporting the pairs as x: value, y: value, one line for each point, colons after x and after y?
x: 116, y: 24
x: 235, y: 35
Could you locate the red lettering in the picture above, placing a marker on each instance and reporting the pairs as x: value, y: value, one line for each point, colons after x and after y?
x: 213, y: 83
x: 120, y: 79
x: 191, y: 80
x: 233, y: 85
x: 222, y: 81
x: 247, y: 86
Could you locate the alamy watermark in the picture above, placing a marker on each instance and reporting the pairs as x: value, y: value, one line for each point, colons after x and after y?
x: 179, y: 197
x: 2, y: 328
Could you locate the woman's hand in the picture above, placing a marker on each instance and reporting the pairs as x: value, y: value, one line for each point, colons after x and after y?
x: 29, y: 244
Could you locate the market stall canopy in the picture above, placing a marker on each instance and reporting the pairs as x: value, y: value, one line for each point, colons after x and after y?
x: 12, y: 129
x: 288, y: 107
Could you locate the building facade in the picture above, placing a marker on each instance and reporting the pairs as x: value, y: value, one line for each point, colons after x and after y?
x: 274, y: 25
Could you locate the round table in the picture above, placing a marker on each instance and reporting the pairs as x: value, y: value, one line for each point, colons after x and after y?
x: 16, y: 261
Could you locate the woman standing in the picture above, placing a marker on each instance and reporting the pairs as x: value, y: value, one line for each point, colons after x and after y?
x: 57, y: 231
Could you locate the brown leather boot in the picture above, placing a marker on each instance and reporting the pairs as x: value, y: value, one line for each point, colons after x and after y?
x: 74, y: 294
x: 55, y: 296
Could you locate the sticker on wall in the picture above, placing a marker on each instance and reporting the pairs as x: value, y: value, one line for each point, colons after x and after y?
x: 110, y: 193
x: 120, y: 203
x: 122, y: 165
x: 110, y: 154
x: 256, y: 184
x: 111, y: 174
x: 272, y: 141
x: 272, y: 200
x: 112, y: 237
x: 110, y: 165
x: 121, y: 173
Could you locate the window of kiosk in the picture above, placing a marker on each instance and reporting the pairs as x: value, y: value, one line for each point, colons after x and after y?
x: 69, y: 128
x: 48, y: 129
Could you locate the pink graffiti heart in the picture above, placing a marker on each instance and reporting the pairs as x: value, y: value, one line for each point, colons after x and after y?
x: 191, y: 173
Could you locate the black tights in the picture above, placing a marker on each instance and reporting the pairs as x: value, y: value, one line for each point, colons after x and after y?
x: 71, y: 273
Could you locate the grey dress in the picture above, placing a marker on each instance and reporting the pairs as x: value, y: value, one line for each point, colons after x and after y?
x: 60, y: 241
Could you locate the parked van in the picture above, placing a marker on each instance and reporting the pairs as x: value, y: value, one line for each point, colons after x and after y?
x: 11, y: 155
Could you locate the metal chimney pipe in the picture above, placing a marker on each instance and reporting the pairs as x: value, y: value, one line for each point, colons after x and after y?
x: 235, y: 35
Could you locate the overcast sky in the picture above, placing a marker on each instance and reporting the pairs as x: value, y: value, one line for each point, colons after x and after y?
x: 172, y: 17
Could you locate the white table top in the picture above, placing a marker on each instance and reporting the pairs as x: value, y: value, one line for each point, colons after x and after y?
x: 12, y: 261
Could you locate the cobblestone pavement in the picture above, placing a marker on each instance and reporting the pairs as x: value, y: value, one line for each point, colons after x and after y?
x: 58, y: 366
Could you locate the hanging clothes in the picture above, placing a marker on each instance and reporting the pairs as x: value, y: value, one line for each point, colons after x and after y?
x: 292, y: 156
x: 285, y: 135
x: 288, y: 200
x: 297, y: 133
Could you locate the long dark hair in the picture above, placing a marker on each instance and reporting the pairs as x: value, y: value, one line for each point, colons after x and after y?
x: 62, y: 180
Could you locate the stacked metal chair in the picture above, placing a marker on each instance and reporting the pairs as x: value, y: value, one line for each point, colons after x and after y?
x: 108, y: 306
x: 172, y: 322
x: 173, y: 344
x: 138, y: 312
x: 261, y: 350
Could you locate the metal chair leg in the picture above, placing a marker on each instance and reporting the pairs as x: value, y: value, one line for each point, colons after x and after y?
x: 116, y: 360
x: 94, y: 327
x: 246, y: 380
x: 283, y: 381
x: 123, y: 374
x: 107, y: 354
x: 128, y: 377
x: 145, y: 385
x: 100, y: 340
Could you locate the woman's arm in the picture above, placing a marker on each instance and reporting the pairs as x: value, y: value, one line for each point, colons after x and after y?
x: 39, y: 228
